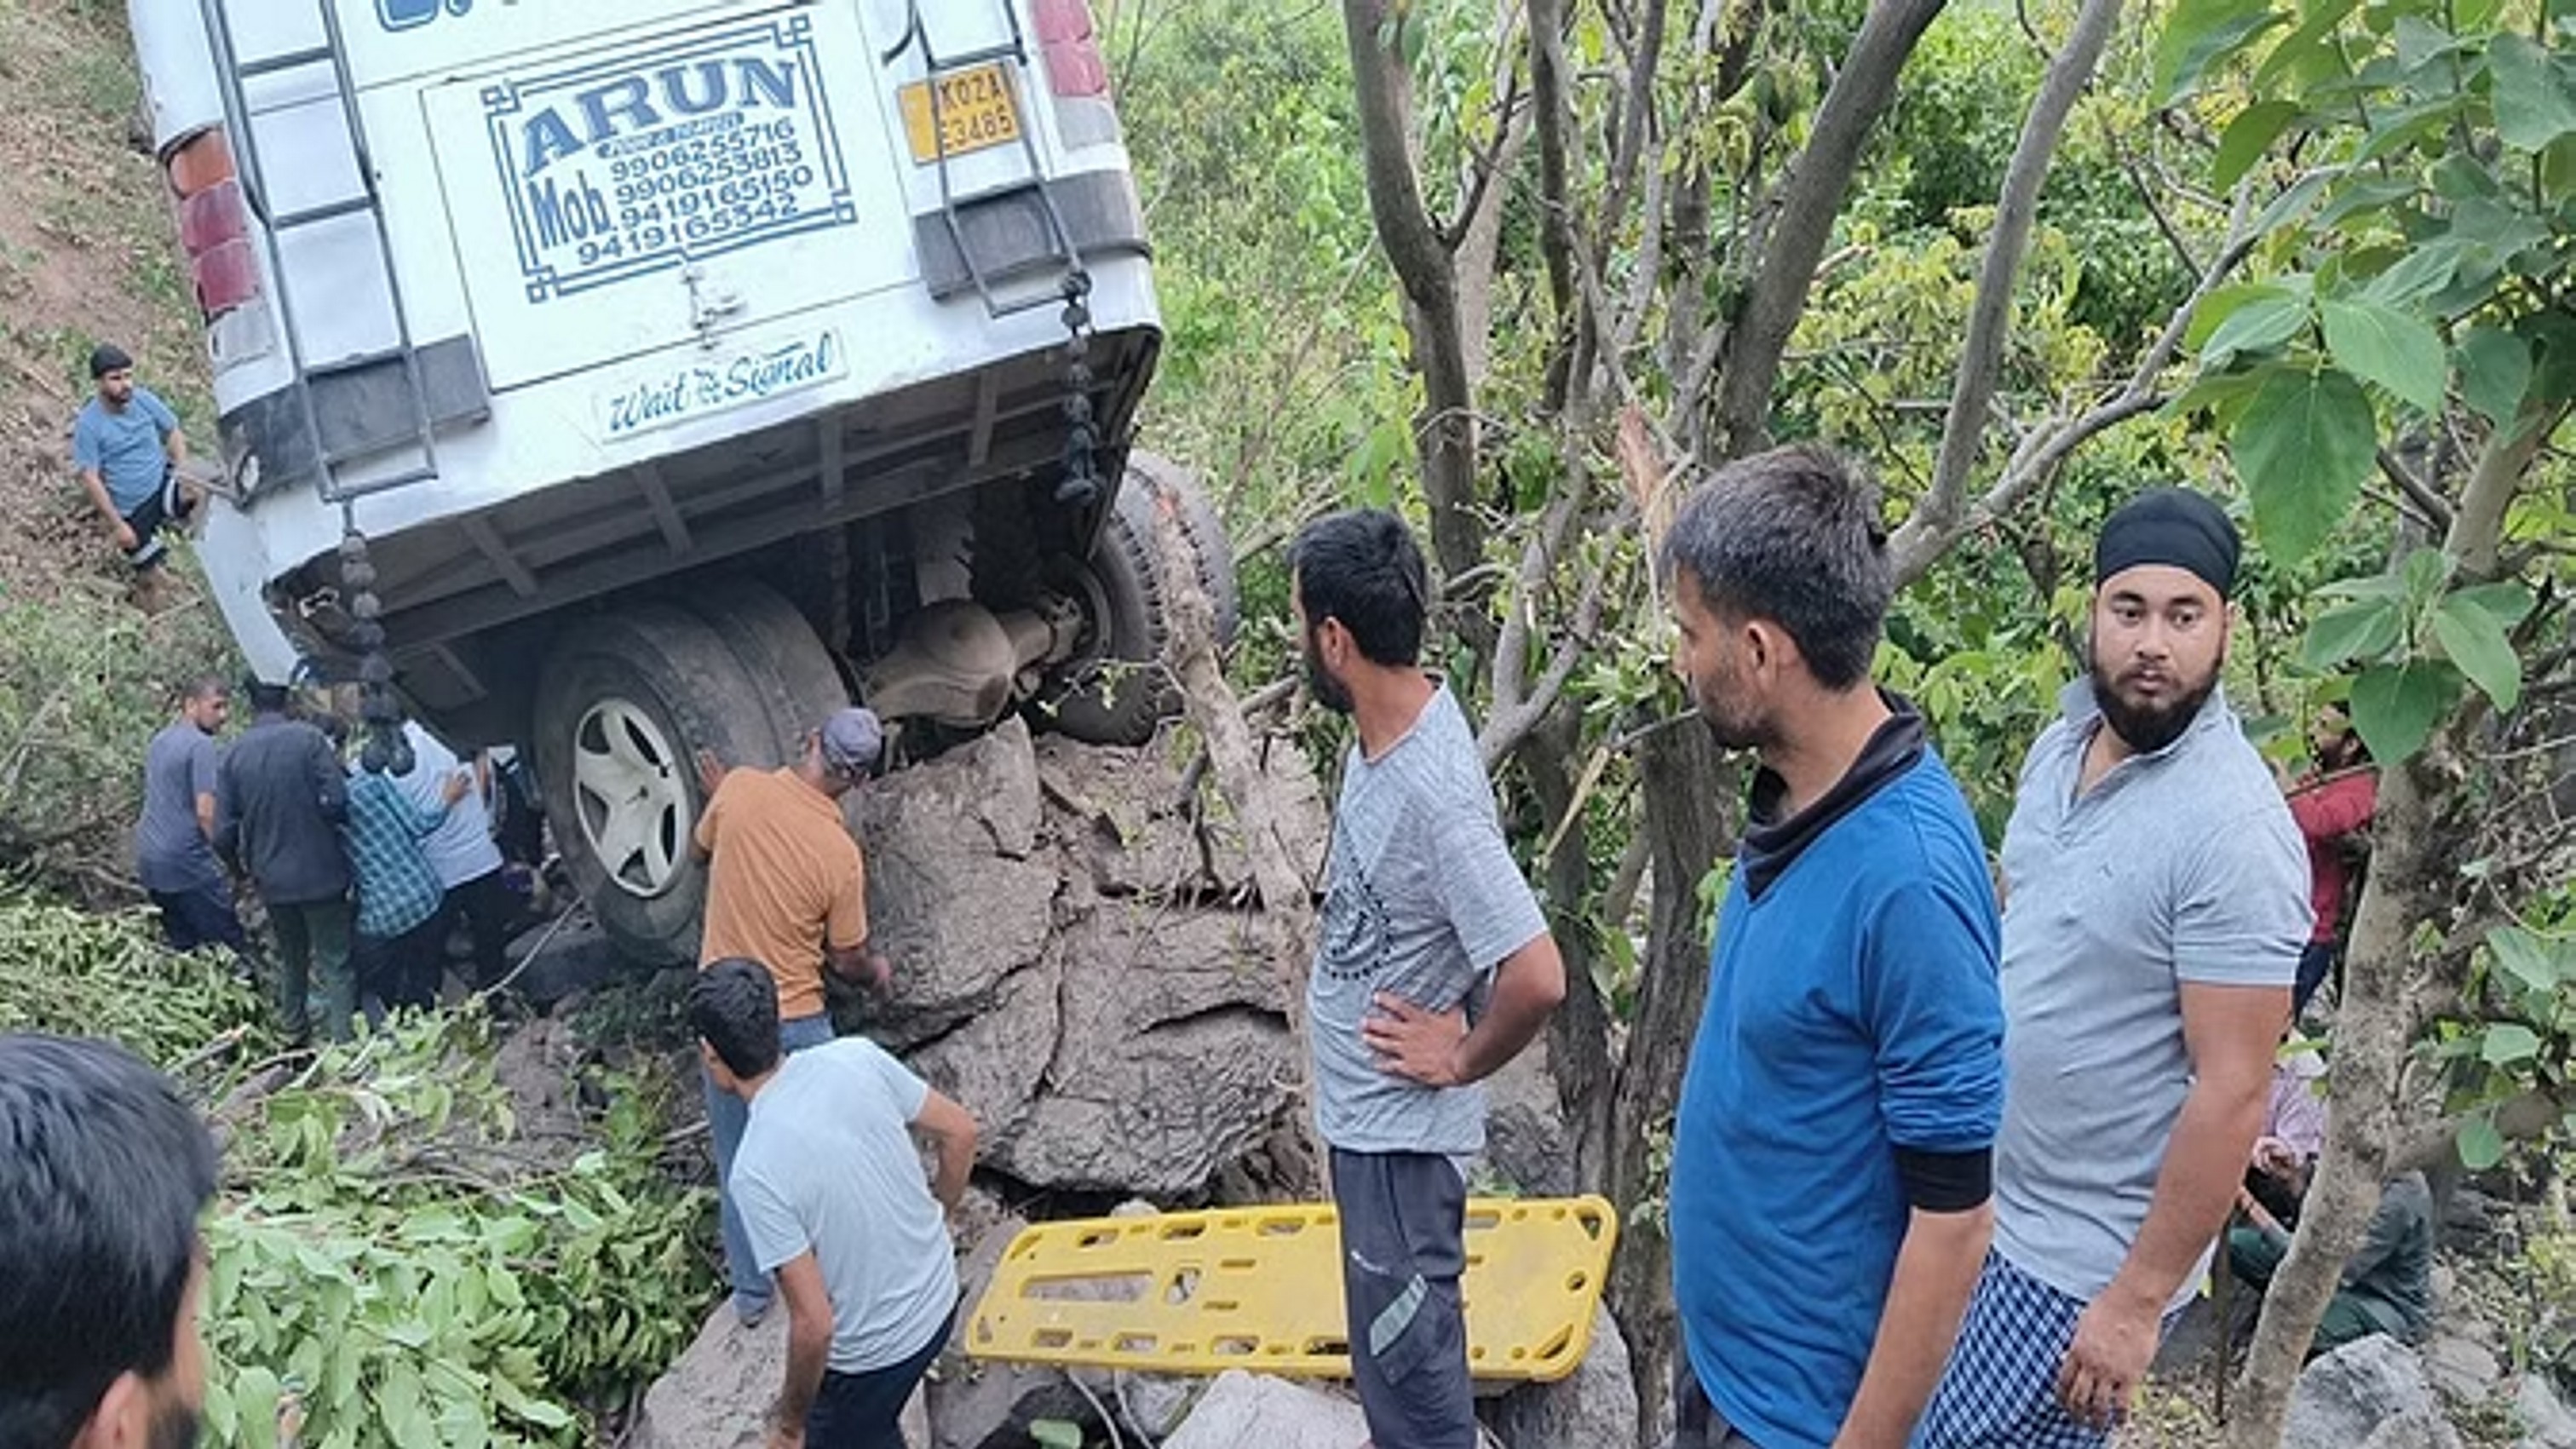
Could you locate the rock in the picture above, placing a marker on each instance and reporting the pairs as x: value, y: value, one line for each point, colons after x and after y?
x: 1595, y: 1405
x: 715, y: 1397
x: 1172, y: 1055
x: 2461, y: 1367
x: 1067, y: 966
x: 1241, y: 1410
x: 955, y: 899
x: 578, y: 957
x: 2547, y: 1422
x: 980, y: 1405
x: 2371, y: 1394
x: 1526, y: 1139
x: 719, y: 1394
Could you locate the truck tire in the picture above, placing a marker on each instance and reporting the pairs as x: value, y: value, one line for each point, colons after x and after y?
x: 799, y: 685
x: 1116, y: 692
x: 625, y: 703
x: 1206, y: 532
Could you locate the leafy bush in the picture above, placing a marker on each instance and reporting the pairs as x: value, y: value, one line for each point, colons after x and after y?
x: 65, y: 970
x: 85, y: 680
x: 386, y: 1247
x: 422, y: 1280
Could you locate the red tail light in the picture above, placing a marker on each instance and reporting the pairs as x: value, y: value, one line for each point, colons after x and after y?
x: 1072, y: 48
x: 214, y: 225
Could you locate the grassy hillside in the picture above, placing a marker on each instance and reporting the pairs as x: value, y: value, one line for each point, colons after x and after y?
x: 87, y: 254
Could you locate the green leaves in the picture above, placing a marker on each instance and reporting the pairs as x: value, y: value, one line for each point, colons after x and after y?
x: 2303, y: 445
x: 2495, y: 373
x: 2259, y: 319
x: 2365, y: 629
x: 2474, y: 641
x: 2481, y: 1145
x: 2394, y: 349
x: 2508, y: 1042
x: 2529, y: 959
x: 2535, y: 103
x: 2395, y: 706
x: 2248, y: 137
x: 2200, y: 34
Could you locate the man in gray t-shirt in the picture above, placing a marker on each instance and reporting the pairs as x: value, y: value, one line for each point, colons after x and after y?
x: 2156, y: 901
x: 830, y: 1189
x: 174, y: 852
x: 1434, y: 969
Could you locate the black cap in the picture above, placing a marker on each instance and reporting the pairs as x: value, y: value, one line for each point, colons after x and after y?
x: 107, y: 358
x: 2172, y: 526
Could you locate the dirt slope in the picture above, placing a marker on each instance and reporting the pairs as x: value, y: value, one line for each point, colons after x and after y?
x: 87, y: 254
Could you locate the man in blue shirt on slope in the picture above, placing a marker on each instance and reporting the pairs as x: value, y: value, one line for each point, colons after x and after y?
x: 127, y: 446
x: 1832, y: 1157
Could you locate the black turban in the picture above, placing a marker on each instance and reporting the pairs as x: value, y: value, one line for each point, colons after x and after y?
x: 2172, y: 526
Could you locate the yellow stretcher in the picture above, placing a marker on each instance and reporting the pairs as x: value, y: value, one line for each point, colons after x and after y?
x: 1261, y: 1289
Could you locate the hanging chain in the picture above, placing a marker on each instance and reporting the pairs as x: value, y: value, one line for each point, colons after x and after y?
x: 386, y: 751
x: 1081, y: 482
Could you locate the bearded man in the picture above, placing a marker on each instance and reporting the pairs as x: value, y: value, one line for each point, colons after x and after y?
x: 2156, y: 900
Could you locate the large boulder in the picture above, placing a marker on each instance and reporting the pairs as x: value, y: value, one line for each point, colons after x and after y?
x: 1596, y: 1405
x: 1241, y: 1410
x: 1076, y: 962
x: 2371, y: 1394
x: 2547, y: 1422
x: 719, y: 1394
x: 1527, y: 1141
x: 2463, y: 1369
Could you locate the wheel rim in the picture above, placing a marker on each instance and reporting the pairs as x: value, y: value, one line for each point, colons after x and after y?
x: 631, y: 797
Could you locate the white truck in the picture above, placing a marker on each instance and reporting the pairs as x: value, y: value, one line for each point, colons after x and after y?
x: 662, y: 374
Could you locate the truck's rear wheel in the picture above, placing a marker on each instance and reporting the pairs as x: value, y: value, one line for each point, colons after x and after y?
x: 625, y: 704
x: 799, y: 684
x: 1116, y: 692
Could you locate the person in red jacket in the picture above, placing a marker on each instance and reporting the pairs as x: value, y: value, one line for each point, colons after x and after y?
x: 2332, y: 805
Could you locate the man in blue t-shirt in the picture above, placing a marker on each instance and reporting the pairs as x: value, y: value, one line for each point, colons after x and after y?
x: 1832, y: 1156
x: 128, y: 448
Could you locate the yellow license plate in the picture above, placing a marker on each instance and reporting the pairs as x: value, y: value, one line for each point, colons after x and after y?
x: 975, y: 111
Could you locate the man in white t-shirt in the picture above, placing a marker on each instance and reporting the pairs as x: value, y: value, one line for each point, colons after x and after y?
x: 462, y: 853
x: 830, y: 1189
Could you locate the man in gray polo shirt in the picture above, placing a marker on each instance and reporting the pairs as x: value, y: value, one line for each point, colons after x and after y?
x: 1434, y: 969
x: 2156, y: 903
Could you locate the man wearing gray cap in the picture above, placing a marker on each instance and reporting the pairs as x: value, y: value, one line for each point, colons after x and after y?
x: 786, y: 887
x: 2155, y: 908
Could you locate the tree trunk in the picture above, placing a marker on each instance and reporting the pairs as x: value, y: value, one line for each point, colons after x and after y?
x: 1578, y: 1041
x: 1690, y: 814
x: 1810, y: 199
x: 2408, y: 877
x: 1445, y: 433
x: 2412, y: 874
x: 1286, y: 894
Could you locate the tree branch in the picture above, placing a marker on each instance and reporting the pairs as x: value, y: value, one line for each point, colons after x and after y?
x: 1808, y: 204
x: 1917, y: 544
x: 2435, y: 509
x: 1990, y: 317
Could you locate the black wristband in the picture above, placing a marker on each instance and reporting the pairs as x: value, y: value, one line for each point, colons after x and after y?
x: 1946, y: 1182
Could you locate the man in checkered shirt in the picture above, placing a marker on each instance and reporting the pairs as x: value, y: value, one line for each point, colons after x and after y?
x: 397, y: 953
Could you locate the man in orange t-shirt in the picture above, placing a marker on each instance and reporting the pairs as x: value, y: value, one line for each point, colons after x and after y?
x: 787, y: 888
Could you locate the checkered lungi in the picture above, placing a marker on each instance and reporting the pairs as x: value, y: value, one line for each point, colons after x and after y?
x: 2000, y: 1391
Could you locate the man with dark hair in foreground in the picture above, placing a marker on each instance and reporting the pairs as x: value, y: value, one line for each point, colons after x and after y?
x: 829, y: 1186
x: 1832, y: 1157
x: 103, y: 1175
